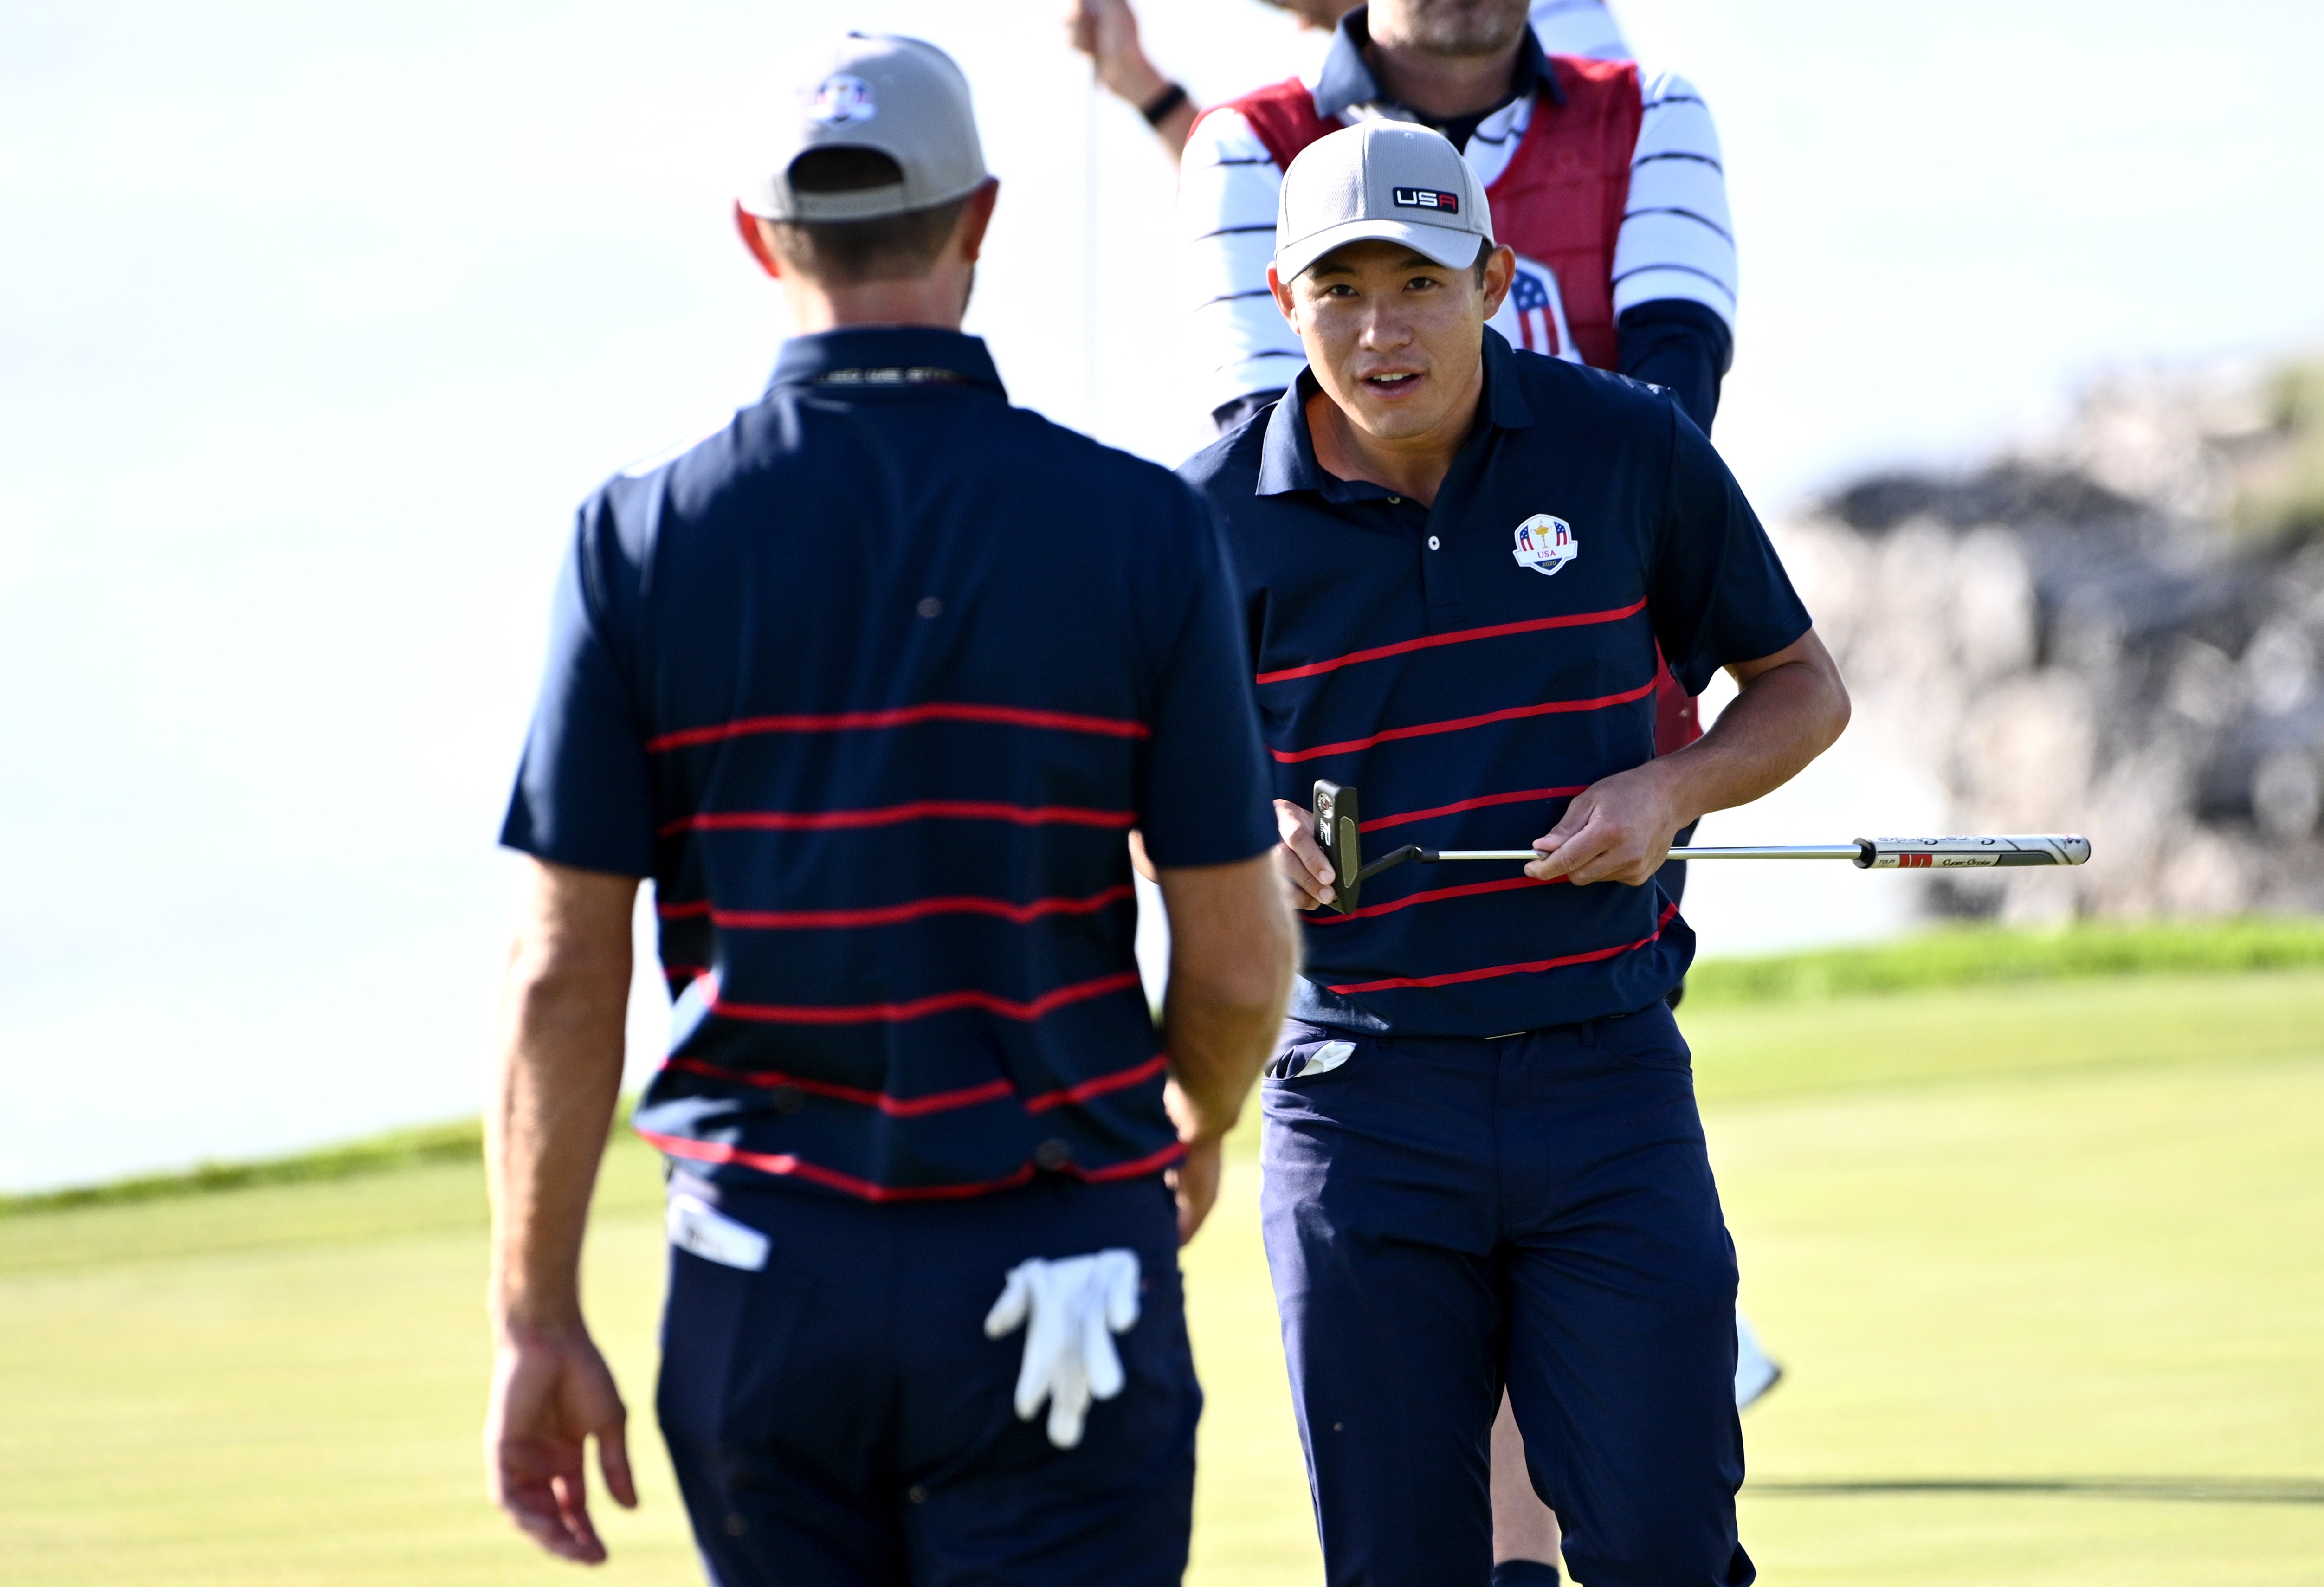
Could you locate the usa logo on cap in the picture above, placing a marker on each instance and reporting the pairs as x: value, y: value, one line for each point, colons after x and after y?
x: 1426, y: 199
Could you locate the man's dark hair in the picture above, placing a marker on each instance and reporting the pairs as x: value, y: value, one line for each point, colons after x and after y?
x: 840, y: 253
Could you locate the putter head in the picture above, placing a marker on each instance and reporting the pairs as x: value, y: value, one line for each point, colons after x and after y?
x: 1338, y: 832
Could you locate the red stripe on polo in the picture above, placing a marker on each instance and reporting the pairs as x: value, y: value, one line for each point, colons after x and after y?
x: 1457, y: 976
x: 935, y: 1102
x: 1459, y: 637
x: 897, y: 815
x: 895, y: 1107
x: 1434, y: 895
x: 901, y: 716
x: 1151, y: 1163
x: 894, y: 914
x: 1523, y: 796
x: 791, y: 1166
x: 1119, y: 1080
x: 1428, y: 729
x: 942, y: 1003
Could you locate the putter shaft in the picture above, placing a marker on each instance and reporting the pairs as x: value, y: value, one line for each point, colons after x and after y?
x: 1814, y: 851
x: 1867, y: 854
x: 1339, y: 832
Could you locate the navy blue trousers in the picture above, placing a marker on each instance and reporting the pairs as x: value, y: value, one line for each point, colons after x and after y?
x: 839, y: 1419
x: 1446, y: 1216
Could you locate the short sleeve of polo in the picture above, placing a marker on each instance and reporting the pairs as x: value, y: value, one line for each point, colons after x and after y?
x: 1716, y: 589
x: 584, y: 790
x: 1204, y: 796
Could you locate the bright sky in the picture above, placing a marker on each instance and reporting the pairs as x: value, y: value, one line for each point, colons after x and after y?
x: 319, y: 321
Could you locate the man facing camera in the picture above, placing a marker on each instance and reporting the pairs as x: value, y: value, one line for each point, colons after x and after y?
x: 1484, y: 1163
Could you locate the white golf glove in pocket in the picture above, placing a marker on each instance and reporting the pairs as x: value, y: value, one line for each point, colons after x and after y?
x: 1071, y: 1308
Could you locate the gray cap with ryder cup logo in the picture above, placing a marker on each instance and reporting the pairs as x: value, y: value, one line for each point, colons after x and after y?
x: 900, y: 96
x: 1390, y: 182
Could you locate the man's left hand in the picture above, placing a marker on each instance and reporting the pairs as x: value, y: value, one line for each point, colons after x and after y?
x: 1616, y: 830
x: 552, y: 1392
x: 1195, y: 1182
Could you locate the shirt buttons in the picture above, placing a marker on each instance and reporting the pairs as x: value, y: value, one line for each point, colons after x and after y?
x: 1053, y: 1154
x: 1432, y: 542
x: 1396, y: 501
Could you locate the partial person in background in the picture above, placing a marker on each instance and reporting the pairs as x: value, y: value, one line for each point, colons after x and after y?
x: 854, y: 684
x: 1611, y: 190
x: 1106, y: 31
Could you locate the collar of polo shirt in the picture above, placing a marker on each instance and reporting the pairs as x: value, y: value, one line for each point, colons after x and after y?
x: 824, y: 354
x: 1288, y: 455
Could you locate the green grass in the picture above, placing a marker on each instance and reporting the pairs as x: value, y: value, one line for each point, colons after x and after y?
x: 459, y: 1141
x: 1960, y: 956
x: 1987, y: 955
x: 2057, y: 1238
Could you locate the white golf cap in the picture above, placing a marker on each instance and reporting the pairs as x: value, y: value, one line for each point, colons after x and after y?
x: 1390, y: 182
x: 901, y: 97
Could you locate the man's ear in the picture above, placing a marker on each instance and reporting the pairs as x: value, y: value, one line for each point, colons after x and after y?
x: 1282, y: 291
x: 975, y: 215
x: 1501, y: 272
x: 754, y: 238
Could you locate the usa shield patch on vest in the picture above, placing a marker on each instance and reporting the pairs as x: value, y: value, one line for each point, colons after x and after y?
x: 1547, y: 544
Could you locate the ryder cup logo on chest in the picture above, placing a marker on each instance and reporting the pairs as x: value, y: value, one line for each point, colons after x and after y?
x: 1547, y: 544
x: 840, y: 100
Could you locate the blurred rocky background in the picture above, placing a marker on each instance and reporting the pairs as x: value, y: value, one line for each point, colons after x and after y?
x: 2117, y: 632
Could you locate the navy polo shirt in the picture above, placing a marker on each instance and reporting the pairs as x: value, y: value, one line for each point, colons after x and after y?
x: 872, y: 684
x: 1469, y: 677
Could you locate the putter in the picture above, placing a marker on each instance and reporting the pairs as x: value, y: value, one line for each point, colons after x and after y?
x: 1339, y: 831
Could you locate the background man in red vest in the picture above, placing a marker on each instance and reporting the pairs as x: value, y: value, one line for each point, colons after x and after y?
x: 1610, y: 188
x: 1106, y: 31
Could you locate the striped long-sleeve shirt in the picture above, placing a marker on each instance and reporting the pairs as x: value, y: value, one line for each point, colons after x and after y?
x: 1675, y: 247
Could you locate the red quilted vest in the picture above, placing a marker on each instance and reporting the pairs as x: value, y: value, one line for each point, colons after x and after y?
x: 1558, y: 203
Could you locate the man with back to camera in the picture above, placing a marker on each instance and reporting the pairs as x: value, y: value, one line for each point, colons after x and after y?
x: 1483, y: 1160
x: 872, y: 684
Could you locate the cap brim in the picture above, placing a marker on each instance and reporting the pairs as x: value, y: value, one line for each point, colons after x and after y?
x: 1453, y: 247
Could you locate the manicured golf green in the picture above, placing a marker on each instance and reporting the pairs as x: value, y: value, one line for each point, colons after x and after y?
x: 2042, y: 1262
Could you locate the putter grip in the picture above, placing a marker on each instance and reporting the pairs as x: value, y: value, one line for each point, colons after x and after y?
x: 1949, y: 853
